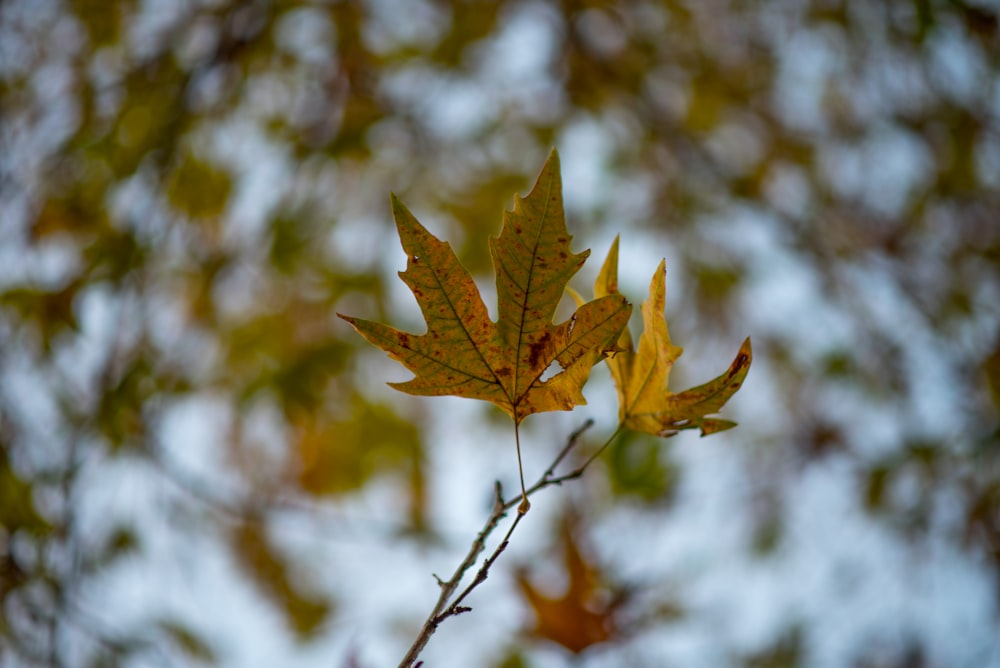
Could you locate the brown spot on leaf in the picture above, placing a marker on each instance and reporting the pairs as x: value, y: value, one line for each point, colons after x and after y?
x: 741, y: 361
x: 538, y: 349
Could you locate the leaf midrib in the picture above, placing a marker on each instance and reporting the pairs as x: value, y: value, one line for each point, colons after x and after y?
x: 650, y: 368
x: 524, y: 305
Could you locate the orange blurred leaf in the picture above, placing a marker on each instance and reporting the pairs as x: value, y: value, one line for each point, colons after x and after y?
x: 584, y: 615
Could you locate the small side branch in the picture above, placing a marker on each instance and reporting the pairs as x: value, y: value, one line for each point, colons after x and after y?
x: 549, y: 477
x: 445, y: 606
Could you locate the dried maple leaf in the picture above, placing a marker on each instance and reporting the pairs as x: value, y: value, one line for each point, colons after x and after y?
x: 641, y: 376
x: 466, y: 354
x: 586, y: 613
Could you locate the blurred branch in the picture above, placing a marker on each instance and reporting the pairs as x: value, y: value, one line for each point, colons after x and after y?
x: 113, y: 642
x: 235, y: 507
x: 445, y: 606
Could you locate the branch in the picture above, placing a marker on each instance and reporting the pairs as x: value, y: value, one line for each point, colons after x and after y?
x: 448, y: 588
x: 445, y: 607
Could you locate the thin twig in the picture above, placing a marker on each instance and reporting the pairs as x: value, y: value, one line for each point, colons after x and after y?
x: 443, y: 609
x: 448, y: 587
x: 484, y: 571
x: 547, y: 478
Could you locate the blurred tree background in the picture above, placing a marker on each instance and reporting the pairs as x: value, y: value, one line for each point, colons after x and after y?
x: 201, y: 465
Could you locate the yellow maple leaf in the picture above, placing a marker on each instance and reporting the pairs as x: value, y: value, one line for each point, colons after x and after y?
x: 466, y: 354
x: 641, y: 376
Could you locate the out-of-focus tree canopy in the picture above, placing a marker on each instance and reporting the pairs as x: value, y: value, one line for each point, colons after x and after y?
x: 190, y: 190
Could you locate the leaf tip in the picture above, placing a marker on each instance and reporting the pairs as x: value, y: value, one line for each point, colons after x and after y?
x: 607, y: 278
x: 744, y: 357
x: 397, y: 207
x: 711, y: 426
x: 550, y: 170
x: 657, y: 287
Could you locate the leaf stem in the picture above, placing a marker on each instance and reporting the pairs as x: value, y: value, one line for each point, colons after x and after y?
x: 525, y: 505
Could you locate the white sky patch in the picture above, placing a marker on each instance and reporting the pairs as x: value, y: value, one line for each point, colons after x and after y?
x: 151, y: 23
x: 584, y: 150
x: 870, y: 584
x: 263, y: 172
x: 193, y: 432
x: 988, y: 159
x: 956, y: 65
x: 882, y: 171
x: 806, y: 60
x: 47, y: 266
x: 99, y: 321
x: 36, y: 411
x: 786, y: 293
x: 423, y: 25
x: 308, y: 34
x: 788, y: 190
x: 738, y: 143
x: 363, y: 243
x: 458, y: 108
x: 933, y: 409
x: 520, y: 54
x: 21, y: 24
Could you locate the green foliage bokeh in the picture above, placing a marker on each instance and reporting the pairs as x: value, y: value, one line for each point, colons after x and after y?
x: 213, y: 181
